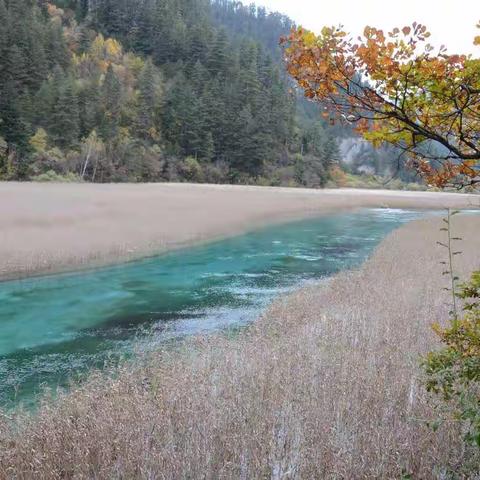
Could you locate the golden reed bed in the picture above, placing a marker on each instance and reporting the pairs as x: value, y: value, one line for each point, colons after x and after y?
x: 325, y: 385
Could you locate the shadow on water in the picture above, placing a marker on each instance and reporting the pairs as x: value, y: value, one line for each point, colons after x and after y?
x: 54, y: 328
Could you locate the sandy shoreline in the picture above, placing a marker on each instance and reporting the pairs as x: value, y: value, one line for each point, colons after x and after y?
x: 47, y: 228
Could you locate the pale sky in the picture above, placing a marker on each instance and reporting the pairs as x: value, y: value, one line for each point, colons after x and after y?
x: 451, y: 22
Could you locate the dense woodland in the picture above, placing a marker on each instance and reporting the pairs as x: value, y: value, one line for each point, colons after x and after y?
x: 155, y: 90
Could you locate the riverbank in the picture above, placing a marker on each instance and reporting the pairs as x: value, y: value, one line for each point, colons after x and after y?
x: 47, y: 228
x: 325, y: 385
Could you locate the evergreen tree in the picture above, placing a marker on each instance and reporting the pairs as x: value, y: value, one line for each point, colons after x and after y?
x: 3, y: 32
x: 249, y: 79
x: 89, y: 109
x: 241, y: 140
x: 331, y: 152
x: 111, y: 94
x: 65, y: 125
x: 16, y: 70
x: 56, y: 50
x: 215, y: 116
x: 81, y: 9
x: 198, y: 44
x: 199, y: 75
x: 218, y: 58
x: 37, y: 66
x: 207, y: 149
x: 12, y: 127
x: 147, y: 101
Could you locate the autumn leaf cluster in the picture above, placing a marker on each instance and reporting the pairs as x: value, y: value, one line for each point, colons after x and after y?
x: 397, y: 89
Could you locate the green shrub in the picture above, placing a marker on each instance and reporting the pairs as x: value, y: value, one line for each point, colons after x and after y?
x: 454, y: 371
x: 415, y: 187
x: 52, y: 176
x: 264, y: 181
x: 191, y: 170
x: 216, y: 173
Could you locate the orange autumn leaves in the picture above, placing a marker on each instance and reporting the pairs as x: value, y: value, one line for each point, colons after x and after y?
x: 396, y: 88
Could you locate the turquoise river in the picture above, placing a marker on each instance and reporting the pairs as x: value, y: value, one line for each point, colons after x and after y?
x: 56, y: 327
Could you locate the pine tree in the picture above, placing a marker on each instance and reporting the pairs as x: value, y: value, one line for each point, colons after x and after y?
x: 241, y: 139
x: 12, y: 127
x: 198, y: 44
x: 198, y: 77
x: 218, y: 58
x: 81, y: 9
x: 167, y: 32
x: 214, y: 114
x: 56, y: 49
x: 315, y: 140
x: 65, y: 123
x: 37, y: 66
x: 111, y: 94
x: 16, y: 70
x: 147, y: 101
x: 249, y: 81
x: 85, y: 39
x: 89, y: 108
x: 3, y: 33
x: 207, y: 150
x: 331, y: 152
x: 191, y: 118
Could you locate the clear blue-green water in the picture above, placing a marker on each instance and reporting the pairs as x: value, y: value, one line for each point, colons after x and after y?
x: 53, y: 328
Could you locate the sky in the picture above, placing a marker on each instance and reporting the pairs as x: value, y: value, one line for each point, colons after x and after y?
x: 451, y: 22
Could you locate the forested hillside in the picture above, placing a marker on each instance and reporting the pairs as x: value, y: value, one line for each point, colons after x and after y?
x: 156, y: 90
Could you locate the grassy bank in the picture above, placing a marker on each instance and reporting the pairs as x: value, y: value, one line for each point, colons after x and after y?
x: 325, y: 385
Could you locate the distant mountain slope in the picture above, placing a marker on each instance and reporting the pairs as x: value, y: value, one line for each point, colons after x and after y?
x: 154, y: 90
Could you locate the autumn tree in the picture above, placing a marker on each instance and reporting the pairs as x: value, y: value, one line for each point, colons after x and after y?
x: 92, y: 151
x: 397, y: 89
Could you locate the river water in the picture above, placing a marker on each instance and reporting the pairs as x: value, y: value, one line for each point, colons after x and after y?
x: 56, y: 327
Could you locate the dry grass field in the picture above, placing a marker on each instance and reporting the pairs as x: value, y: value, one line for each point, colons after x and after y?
x: 325, y: 385
x: 52, y: 227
